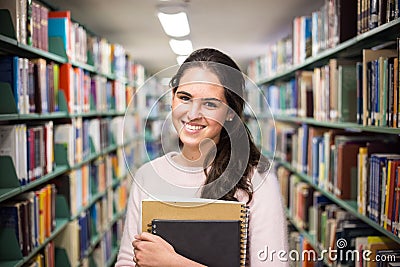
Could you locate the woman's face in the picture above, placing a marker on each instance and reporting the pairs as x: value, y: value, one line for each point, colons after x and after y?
x: 199, y: 107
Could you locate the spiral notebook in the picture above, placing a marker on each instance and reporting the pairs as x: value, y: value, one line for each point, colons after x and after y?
x: 192, y: 215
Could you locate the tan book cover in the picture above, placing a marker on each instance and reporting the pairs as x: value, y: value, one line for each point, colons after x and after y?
x: 192, y: 210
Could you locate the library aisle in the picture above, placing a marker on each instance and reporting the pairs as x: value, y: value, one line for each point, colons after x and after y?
x: 331, y: 85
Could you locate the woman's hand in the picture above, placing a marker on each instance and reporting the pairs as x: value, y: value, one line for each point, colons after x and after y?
x: 153, y: 251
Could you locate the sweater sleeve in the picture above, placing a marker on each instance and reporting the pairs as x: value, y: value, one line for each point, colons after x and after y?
x: 267, y: 224
x: 131, y: 227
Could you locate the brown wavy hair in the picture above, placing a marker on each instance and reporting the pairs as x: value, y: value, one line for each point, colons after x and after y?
x: 223, y: 179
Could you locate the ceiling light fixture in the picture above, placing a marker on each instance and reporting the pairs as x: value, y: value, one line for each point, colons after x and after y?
x: 173, y: 19
x: 181, y: 47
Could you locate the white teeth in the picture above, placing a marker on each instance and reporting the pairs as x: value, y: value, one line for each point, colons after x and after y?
x: 193, y: 127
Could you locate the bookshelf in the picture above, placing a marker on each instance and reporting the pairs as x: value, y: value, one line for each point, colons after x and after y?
x: 103, y: 170
x: 350, y: 206
x: 349, y: 48
x: 300, y: 144
x: 13, y: 248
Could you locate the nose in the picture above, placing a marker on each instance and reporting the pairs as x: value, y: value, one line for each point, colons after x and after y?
x: 194, y: 110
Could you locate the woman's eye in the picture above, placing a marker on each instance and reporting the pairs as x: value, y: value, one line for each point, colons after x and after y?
x: 184, y: 98
x: 211, y: 104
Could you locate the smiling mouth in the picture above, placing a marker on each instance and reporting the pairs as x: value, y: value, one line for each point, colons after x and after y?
x: 193, y: 127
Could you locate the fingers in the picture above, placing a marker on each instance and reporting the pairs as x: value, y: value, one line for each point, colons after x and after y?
x: 147, y: 237
x: 135, y: 261
x: 139, y: 243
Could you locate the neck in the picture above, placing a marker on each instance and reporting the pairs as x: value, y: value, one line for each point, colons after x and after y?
x: 195, y: 156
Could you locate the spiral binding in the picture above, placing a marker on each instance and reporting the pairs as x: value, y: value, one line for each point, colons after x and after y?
x: 149, y: 228
x: 244, y: 235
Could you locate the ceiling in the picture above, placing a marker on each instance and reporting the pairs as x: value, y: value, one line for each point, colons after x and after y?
x: 240, y: 28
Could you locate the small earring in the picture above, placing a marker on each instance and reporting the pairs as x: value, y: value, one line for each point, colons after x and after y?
x: 229, y: 119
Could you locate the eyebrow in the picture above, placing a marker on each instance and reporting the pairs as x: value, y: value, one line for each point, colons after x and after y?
x: 211, y: 99
x: 184, y: 93
x: 204, y: 99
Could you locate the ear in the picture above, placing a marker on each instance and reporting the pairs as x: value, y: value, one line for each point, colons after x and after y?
x: 230, y: 115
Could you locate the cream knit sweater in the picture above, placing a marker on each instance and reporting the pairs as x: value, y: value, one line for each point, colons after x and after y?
x: 162, y: 178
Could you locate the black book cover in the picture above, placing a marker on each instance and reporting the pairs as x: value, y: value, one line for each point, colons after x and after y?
x: 214, y: 243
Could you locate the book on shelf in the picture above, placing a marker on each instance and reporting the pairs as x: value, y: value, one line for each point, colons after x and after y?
x: 44, y: 28
x: 302, y: 134
x: 303, y: 198
x: 373, y: 14
x: 66, y: 85
x: 292, y: 204
x: 398, y: 93
x: 18, y: 12
x: 41, y: 97
x: 318, y: 205
x: 302, y: 42
x: 199, y: 211
x: 390, y: 193
x: 317, y: 159
x: 84, y: 235
x: 94, y: 134
x: 33, y: 83
x: 313, y: 148
x: 345, y: 159
x: 31, y: 217
x: 40, y: 149
x: 49, y: 254
x: 334, y: 91
x: 363, y: 168
x: 284, y: 134
x: 360, y: 100
x: 328, y: 165
x: 68, y: 240
x: 59, y: 25
x: 23, y: 98
x: 9, y: 73
x: 305, y: 105
x: 13, y: 144
x: 82, y: 92
x: 11, y: 217
x: 344, y: 20
x: 100, y: 176
x: 283, y: 174
x: 64, y: 136
x: 370, y: 84
x: 379, y: 187
x: 347, y: 92
x: 39, y: 25
x: 393, y: 98
x: 69, y: 186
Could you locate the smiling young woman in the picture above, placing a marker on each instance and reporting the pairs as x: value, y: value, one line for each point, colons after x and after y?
x: 217, y: 160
